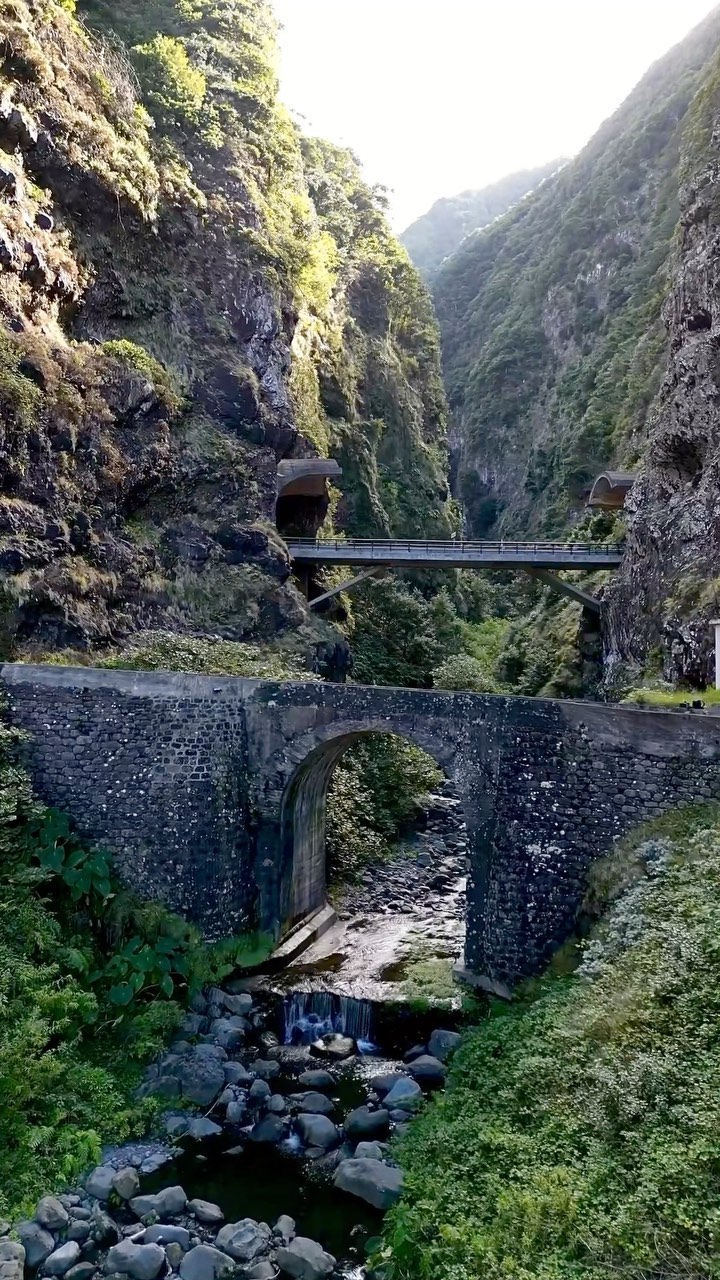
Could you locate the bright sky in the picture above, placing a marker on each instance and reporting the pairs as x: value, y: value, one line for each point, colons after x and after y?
x: 439, y: 95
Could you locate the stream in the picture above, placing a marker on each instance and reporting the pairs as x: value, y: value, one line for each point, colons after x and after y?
x: 283, y: 1091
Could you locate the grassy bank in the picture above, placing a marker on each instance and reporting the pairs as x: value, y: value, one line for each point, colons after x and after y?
x: 580, y: 1133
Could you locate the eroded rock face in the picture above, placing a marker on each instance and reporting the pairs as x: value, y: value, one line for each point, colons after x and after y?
x: 668, y: 589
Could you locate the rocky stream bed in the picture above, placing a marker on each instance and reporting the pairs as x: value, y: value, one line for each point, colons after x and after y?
x: 280, y: 1104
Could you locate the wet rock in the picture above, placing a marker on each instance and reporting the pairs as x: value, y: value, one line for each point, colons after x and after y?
x: 263, y: 1270
x: 141, y: 1261
x: 285, y: 1228
x: 103, y: 1228
x: 317, y: 1104
x: 126, y: 1183
x: 317, y: 1131
x: 383, y: 1084
x: 206, y: 1212
x: 334, y: 1046
x: 277, y: 1104
x: 305, y: 1259
x: 405, y: 1095
x: 268, y: 1130
x: 205, y: 1263
x: 169, y: 1203
x: 377, y: 1184
x: 167, y: 1233
x: 236, y: 1112
x: 428, y: 1070
x: 317, y: 1080
x: 442, y: 1044
x: 100, y: 1182
x: 51, y: 1214
x: 266, y: 1069
x: 62, y: 1259
x: 364, y: 1123
x: 244, y: 1240
x: 176, y: 1124
x: 37, y: 1243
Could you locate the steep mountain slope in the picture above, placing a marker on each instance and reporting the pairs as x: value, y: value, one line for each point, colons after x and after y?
x: 178, y: 315
x: 439, y: 232
x: 551, y: 319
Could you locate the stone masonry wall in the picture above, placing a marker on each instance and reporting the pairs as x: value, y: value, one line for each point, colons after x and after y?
x: 209, y: 791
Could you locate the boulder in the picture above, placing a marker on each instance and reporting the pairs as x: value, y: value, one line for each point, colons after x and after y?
x: 174, y: 1253
x: 79, y: 1231
x: 317, y: 1104
x: 12, y: 1259
x: 268, y: 1130
x: 384, y: 1083
x: 83, y: 1271
x: 169, y: 1203
x: 405, y: 1095
x: 201, y: 1076
x: 126, y: 1183
x: 37, y: 1243
x: 369, y: 1151
x: 317, y: 1131
x: 104, y: 1228
x: 62, y: 1259
x: 442, y: 1044
x: 266, y: 1069
x: 141, y: 1261
x: 259, y: 1091
x: 236, y: 1112
x: 205, y: 1263
x: 100, y: 1182
x: 202, y: 1128
x: 334, y: 1046
x: 317, y: 1080
x: 305, y: 1260
x: 428, y: 1070
x: 277, y: 1105
x: 263, y: 1270
x: 376, y: 1183
x: 364, y: 1123
x: 229, y: 1032
x: 206, y: 1212
x: 236, y: 1073
x: 51, y: 1214
x: 285, y: 1228
x: 167, y: 1233
x: 244, y: 1240
x: 240, y: 1004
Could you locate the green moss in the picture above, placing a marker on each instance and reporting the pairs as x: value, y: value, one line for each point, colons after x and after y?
x: 135, y: 357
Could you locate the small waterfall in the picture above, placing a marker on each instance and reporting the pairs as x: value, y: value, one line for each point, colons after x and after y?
x: 309, y: 1015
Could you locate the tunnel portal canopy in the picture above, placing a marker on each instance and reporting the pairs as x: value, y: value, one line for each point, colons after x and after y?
x: 302, y: 494
x: 611, y: 489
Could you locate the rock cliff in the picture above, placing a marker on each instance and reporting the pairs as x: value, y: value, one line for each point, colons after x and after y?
x: 190, y: 292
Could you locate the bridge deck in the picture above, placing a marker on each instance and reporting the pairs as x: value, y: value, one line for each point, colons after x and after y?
x: 457, y: 554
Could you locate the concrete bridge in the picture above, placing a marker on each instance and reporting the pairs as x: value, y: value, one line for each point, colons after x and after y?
x: 210, y: 793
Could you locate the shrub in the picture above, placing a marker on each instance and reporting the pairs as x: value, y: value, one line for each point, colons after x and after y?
x: 463, y: 672
x: 579, y: 1132
x: 174, y: 88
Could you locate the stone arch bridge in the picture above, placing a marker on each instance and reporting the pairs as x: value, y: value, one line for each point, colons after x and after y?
x: 210, y: 793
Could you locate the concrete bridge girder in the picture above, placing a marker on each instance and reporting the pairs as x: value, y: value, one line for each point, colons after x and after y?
x: 210, y: 792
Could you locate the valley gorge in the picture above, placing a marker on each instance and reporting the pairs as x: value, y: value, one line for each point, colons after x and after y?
x: 213, y: 345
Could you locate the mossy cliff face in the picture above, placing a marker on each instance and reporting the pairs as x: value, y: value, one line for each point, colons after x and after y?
x: 669, y: 588
x: 578, y: 335
x: 189, y: 293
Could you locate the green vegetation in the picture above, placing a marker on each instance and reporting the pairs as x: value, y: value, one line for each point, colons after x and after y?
x: 579, y: 1132
x: 92, y: 983
x: 375, y: 797
x: 667, y: 697
x: 439, y: 232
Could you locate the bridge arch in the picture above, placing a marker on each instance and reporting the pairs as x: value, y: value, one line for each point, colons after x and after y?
x: 303, y: 815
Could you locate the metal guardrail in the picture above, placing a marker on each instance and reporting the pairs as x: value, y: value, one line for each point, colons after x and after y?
x: 456, y: 546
